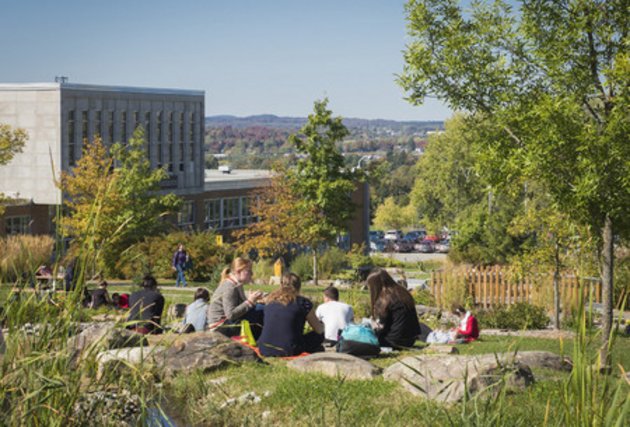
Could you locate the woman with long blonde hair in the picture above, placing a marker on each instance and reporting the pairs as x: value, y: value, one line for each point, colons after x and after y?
x: 230, y: 304
x: 286, y: 313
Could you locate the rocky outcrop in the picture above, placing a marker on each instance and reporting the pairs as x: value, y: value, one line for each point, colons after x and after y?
x: 105, y: 335
x: 336, y: 364
x: 446, y: 378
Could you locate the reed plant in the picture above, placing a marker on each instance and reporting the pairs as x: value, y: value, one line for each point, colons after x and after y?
x: 21, y: 255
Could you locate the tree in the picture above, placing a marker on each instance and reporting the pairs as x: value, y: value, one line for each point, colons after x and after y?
x: 320, y: 180
x: 553, y: 86
x: 391, y: 215
x: 279, y: 223
x: 11, y: 143
x: 111, y: 200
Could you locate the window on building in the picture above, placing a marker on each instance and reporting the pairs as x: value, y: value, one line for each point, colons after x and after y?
x: 246, y: 213
x: 213, y: 214
x: 181, y: 127
x: 98, y: 122
x: 135, y: 117
x: 231, y: 212
x: 17, y: 225
x: 186, y: 215
x: 84, y: 125
x: 191, y: 129
x: 110, y: 127
x: 123, y: 127
x: 71, y: 138
x: 158, y: 138
x: 147, y: 133
x: 170, y: 128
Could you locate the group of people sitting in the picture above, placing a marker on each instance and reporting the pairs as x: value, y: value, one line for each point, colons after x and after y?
x: 277, y: 320
x: 99, y: 297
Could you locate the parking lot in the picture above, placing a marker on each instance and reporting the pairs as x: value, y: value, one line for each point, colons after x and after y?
x: 414, y: 257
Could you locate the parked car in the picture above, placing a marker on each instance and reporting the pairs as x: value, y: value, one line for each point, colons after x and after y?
x: 375, y: 235
x: 433, y: 238
x: 403, y: 245
x: 443, y: 246
x: 378, y: 245
x: 415, y: 235
x: 425, y: 247
x: 393, y: 235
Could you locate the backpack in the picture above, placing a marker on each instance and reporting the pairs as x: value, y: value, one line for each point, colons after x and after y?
x: 358, y: 340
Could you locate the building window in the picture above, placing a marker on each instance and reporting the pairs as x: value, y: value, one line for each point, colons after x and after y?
x: 110, y: 127
x: 17, y: 225
x: 213, y: 214
x: 84, y: 125
x: 135, y: 116
x: 246, y: 210
x: 147, y: 133
x: 123, y: 127
x: 191, y: 129
x: 231, y: 212
x: 170, y: 128
x: 72, y: 159
x: 158, y: 130
x: 97, y: 123
x: 186, y: 215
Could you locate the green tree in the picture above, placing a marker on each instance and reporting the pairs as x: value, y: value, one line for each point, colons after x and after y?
x: 321, y: 182
x: 553, y: 84
x: 391, y: 215
x: 112, y: 201
x: 11, y: 142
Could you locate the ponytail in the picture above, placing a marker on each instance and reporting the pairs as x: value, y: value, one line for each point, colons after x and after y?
x: 225, y: 273
x: 237, y: 265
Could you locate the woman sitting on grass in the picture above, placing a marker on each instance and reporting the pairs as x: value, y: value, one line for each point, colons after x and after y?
x: 196, y: 315
x: 286, y: 312
x: 468, y: 328
x: 229, y: 304
x: 393, y: 310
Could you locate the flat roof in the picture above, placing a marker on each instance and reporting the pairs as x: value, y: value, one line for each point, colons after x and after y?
x: 97, y: 88
x: 236, y: 179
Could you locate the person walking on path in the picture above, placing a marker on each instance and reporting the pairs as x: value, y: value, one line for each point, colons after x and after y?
x: 180, y: 261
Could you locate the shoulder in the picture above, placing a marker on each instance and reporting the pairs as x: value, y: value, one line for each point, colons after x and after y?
x: 304, y: 303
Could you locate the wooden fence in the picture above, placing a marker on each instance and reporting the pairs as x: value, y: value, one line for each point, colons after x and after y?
x: 491, y: 286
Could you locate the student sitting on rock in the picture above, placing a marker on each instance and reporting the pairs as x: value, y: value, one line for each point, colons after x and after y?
x: 334, y: 314
x: 286, y: 313
x: 146, y: 306
x: 196, y: 314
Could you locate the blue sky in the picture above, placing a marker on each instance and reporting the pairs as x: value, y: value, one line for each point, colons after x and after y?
x: 251, y: 57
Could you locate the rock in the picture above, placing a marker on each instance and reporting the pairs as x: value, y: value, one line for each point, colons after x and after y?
x: 425, y: 310
x: 342, y: 284
x: 336, y: 364
x: 544, y: 359
x: 117, y: 359
x: 107, y: 408
x: 445, y: 378
x: 441, y: 349
x: 204, y: 350
x: 107, y: 336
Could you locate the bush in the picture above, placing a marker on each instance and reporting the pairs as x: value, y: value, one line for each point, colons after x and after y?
x: 154, y: 256
x: 423, y: 297
x: 331, y: 262
x: 20, y: 256
x: 302, y: 265
x: 263, y: 270
x: 517, y: 316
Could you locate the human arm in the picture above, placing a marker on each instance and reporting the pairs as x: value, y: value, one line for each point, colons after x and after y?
x: 234, y: 304
x: 468, y: 330
x: 314, y: 322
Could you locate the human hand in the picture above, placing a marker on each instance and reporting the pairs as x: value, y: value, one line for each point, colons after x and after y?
x: 254, y: 296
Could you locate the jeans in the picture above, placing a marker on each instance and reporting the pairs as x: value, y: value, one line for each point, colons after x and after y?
x: 181, y: 277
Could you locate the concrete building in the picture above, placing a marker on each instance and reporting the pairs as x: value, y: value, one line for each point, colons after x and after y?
x: 60, y: 117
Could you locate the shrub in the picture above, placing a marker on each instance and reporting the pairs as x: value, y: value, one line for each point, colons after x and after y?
x: 263, y: 270
x: 517, y: 316
x: 154, y: 255
x: 331, y: 262
x: 302, y: 265
x: 21, y: 255
x: 423, y: 297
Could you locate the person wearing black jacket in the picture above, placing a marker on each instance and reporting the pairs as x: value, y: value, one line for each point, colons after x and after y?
x: 146, y: 308
x: 394, y: 311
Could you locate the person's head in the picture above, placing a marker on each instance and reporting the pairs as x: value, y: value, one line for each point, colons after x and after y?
x: 384, y: 291
x: 116, y: 298
x: 149, y: 282
x: 203, y: 294
x: 458, y: 310
x: 331, y: 294
x: 290, y: 285
x: 102, y: 284
x: 180, y: 247
x: 240, y: 270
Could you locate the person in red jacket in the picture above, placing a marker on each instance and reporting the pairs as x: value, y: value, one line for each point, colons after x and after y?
x: 468, y: 329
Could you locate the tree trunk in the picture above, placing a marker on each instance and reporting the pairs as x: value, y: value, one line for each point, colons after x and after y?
x: 556, y: 289
x: 607, y: 287
x: 315, y: 270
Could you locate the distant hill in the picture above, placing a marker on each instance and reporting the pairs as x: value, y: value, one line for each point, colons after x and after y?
x: 293, y: 123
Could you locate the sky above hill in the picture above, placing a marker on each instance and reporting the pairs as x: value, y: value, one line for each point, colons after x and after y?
x: 250, y: 57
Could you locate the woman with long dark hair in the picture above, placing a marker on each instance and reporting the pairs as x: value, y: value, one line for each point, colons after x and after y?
x: 394, y: 311
x: 286, y: 313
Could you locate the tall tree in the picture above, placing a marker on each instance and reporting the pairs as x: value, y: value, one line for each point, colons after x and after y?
x: 554, y: 82
x: 11, y: 142
x: 322, y: 183
x: 112, y: 201
x: 391, y: 215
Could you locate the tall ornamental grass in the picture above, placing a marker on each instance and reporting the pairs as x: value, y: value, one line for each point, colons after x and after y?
x: 21, y: 255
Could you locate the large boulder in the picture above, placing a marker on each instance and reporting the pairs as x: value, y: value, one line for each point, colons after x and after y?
x: 115, y: 360
x: 336, y: 364
x: 204, y: 350
x: 446, y: 378
x: 542, y: 359
x: 105, y: 335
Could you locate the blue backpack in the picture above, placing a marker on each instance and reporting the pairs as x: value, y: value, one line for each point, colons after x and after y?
x: 358, y: 340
